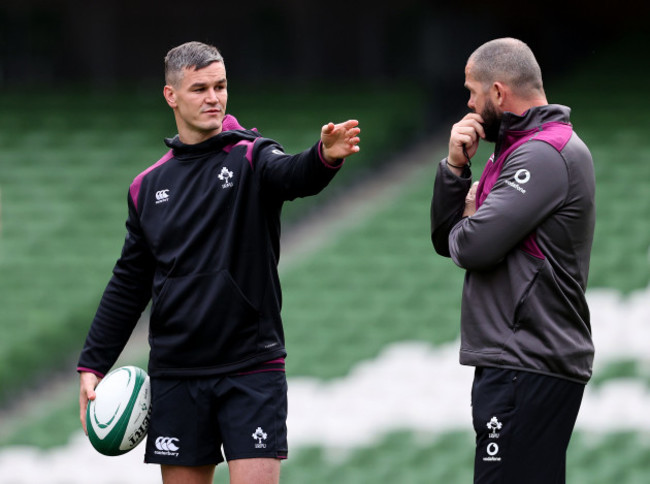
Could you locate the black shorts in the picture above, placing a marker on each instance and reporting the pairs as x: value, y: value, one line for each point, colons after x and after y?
x: 193, y: 418
x: 523, y: 423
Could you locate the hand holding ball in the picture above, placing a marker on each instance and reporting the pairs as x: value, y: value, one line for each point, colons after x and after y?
x: 118, y: 418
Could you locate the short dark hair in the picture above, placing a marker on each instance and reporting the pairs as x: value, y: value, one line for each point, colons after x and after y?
x: 510, y: 61
x: 190, y: 55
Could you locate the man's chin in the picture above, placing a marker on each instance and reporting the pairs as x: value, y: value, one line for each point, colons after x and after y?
x: 214, y: 127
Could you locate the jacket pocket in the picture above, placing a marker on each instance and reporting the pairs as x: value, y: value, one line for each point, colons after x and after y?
x: 202, y: 320
x: 524, y: 276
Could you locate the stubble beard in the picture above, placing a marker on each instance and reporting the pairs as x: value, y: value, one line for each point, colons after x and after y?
x: 491, y: 122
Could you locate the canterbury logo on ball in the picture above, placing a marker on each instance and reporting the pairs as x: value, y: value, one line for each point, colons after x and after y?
x: 162, y: 195
x: 167, y: 446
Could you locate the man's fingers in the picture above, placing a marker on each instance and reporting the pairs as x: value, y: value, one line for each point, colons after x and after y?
x: 351, y: 124
x: 473, y: 117
x: 470, y: 201
x: 83, y: 406
x: 465, y: 134
x: 480, y: 130
x: 352, y: 136
x: 328, y: 128
x: 471, y: 193
x: 88, y: 382
x: 82, y: 416
x: 84, y: 398
x: 472, y: 127
x: 462, y: 139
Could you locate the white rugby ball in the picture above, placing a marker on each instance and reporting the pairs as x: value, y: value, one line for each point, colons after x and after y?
x: 118, y: 419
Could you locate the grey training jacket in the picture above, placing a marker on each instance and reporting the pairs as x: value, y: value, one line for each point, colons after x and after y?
x: 526, y: 250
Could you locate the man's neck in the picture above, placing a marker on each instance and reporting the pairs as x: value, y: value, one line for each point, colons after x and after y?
x: 520, y: 106
x: 189, y: 137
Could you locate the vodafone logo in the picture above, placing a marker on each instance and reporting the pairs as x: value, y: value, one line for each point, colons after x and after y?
x: 162, y: 195
x: 167, y: 446
x: 522, y: 176
x: 492, y: 451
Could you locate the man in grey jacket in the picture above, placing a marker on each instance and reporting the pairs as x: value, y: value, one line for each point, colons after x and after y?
x: 523, y: 233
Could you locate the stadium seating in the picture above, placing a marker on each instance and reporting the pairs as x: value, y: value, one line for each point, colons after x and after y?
x: 372, y: 283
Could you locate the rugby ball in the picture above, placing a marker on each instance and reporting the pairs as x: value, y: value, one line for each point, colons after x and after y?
x: 118, y: 419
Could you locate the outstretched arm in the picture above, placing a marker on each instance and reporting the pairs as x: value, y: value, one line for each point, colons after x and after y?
x: 340, y: 140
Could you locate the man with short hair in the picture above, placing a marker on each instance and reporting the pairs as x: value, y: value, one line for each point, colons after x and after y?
x: 523, y: 233
x: 202, y: 243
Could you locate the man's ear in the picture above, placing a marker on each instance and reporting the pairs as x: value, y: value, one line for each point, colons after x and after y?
x: 170, y: 96
x: 499, y: 93
x: 502, y: 94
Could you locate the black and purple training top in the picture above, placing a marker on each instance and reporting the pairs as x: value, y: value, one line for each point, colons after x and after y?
x: 203, y: 245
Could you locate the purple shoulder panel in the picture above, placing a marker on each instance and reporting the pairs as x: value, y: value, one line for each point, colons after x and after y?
x: 134, y: 189
x: 556, y: 134
x: 249, y: 149
x: 230, y: 123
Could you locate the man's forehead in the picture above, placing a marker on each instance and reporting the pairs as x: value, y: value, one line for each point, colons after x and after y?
x: 468, y: 69
x: 469, y: 76
x: 210, y: 73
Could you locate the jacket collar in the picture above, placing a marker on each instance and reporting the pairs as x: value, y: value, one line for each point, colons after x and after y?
x: 232, y: 133
x: 514, y: 126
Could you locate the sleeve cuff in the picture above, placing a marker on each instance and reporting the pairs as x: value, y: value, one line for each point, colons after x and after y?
x: 81, y: 369
x: 322, y: 159
x: 467, y: 172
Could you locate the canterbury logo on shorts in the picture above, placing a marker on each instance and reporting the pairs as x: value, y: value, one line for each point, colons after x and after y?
x: 167, y: 446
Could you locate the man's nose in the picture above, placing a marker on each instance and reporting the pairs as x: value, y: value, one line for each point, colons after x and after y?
x: 212, y: 96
